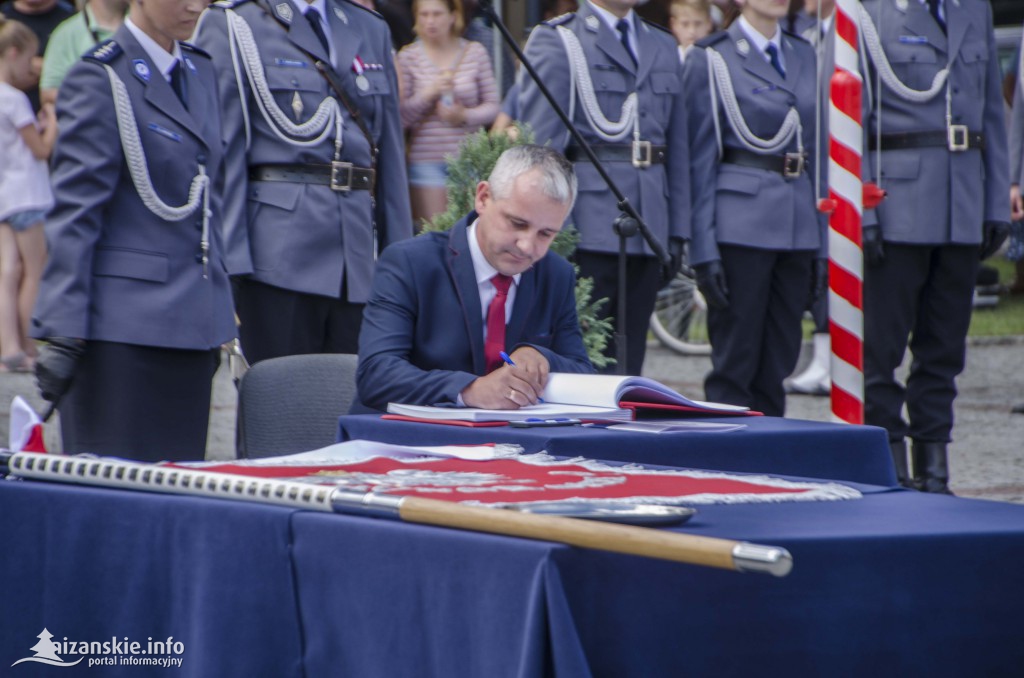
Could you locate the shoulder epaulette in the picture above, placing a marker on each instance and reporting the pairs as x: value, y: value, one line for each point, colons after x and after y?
x: 712, y: 39
x: 796, y: 36
x: 188, y: 46
x: 560, y: 20
x: 658, y: 26
x: 105, y: 52
x: 228, y: 4
x: 365, y: 9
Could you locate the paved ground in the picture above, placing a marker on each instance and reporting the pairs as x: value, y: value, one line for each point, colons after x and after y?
x: 987, y: 456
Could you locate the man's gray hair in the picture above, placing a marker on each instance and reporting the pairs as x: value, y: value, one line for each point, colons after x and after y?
x: 558, y: 180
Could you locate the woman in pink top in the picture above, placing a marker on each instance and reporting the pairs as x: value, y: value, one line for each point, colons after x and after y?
x: 446, y: 91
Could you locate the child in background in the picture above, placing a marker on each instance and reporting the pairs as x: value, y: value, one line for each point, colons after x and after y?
x: 24, y: 195
x: 690, y: 20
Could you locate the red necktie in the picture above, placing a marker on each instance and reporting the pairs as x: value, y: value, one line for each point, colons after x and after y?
x: 495, y: 343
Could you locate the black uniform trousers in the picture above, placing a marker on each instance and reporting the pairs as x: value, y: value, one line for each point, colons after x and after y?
x: 755, y: 342
x: 277, y: 322
x: 643, y: 280
x: 139, y: 402
x: 923, y: 292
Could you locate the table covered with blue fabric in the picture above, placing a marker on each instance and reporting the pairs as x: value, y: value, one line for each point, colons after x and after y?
x: 766, y: 445
x: 896, y: 583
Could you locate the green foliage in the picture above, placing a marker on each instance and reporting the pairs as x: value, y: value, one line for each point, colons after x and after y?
x: 476, y: 157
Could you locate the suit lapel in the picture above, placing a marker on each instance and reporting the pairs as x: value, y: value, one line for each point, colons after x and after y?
x: 645, y: 56
x: 460, y: 267
x: 300, y: 32
x: 793, y: 65
x: 158, y: 92
x: 919, y: 21
x: 957, y: 22
x: 523, y: 308
x: 604, y: 38
x: 753, y: 61
x: 346, y: 42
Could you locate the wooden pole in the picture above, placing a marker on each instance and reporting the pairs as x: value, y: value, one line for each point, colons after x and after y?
x: 640, y: 541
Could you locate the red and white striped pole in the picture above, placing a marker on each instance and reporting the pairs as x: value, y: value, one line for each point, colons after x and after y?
x: 846, y: 260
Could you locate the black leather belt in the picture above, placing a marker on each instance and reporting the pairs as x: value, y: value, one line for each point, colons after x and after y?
x: 641, y: 153
x: 340, y: 176
x: 956, y: 138
x: 789, y: 165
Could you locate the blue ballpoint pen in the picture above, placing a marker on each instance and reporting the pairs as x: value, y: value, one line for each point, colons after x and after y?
x: 508, y: 361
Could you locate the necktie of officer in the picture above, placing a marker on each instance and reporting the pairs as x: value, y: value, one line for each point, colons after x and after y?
x: 623, y: 28
x: 178, y: 82
x: 314, y: 20
x: 773, y: 57
x: 933, y: 8
x: 495, y: 343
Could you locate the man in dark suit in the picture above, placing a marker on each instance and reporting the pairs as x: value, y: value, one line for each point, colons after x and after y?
x: 440, y: 303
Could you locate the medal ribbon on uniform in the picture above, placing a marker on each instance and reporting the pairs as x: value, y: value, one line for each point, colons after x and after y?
x: 359, y: 68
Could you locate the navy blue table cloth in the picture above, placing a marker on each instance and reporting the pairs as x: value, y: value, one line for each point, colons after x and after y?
x: 767, y: 445
x: 896, y: 583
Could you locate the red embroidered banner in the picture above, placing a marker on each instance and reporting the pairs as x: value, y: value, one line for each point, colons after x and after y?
x: 535, y: 478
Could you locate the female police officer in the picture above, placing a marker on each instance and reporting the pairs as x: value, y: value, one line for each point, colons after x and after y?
x: 758, y: 242
x: 135, y: 299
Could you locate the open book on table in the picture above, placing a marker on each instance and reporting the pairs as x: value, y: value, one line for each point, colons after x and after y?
x: 584, y: 396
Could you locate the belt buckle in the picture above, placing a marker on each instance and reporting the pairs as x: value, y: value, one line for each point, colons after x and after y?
x: 337, y: 168
x: 792, y: 165
x: 958, y: 138
x: 641, y: 154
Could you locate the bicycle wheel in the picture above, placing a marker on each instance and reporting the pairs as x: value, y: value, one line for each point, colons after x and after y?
x: 680, y: 317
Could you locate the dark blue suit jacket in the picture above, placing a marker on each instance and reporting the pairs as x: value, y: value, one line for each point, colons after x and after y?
x: 422, y: 336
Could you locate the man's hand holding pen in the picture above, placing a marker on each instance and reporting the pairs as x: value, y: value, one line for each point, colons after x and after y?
x: 520, y: 382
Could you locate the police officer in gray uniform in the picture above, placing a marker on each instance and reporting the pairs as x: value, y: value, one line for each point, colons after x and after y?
x: 759, y: 244
x: 618, y: 77
x: 317, y: 176
x: 135, y: 299
x: 938, y: 147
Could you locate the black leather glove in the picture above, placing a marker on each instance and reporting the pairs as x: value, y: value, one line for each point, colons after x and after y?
x: 993, y: 235
x: 711, y: 283
x: 677, y: 251
x: 874, y: 251
x: 819, y: 280
x: 56, y: 366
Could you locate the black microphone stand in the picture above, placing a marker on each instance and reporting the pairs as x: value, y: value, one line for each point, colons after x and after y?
x: 627, y: 224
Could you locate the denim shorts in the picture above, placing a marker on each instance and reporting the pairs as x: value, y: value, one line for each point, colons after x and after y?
x: 22, y: 221
x: 428, y: 174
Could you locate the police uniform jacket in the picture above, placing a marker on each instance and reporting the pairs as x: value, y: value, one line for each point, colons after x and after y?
x: 300, y: 236
x: 116, y: 271
x: 936, y: 196
x: 741, y: 205
x: 660, y: 193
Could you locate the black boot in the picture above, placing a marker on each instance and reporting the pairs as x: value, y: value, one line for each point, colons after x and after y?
x: 899, y: 460
x: 931, y: 467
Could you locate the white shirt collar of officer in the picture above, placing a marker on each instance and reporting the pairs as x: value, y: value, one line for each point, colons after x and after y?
x: 760, y: 42
x: 319, y: 5
x: 484, y: 272
x: 610, y: 20
x: 162, y: 59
